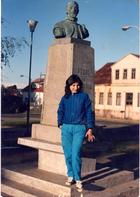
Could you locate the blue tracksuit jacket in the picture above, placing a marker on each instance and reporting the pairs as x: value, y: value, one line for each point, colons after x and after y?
x: 76, y: 109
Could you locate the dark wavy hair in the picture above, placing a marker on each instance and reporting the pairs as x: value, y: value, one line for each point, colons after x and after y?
x: 72, y: 79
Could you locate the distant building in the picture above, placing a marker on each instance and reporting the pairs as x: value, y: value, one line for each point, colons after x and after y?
x: 117, y: 89
x: 36, y: 92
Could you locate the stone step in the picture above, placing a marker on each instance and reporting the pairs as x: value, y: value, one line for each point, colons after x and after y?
x: 129, y: 189
x: 5, y: 195
x: 12, y: 188
x: 51, y: 156
x: 40, y: 144
x: 28, y: 174
x: 98, y: 181
x: 115, y: 179
x: 109, y: 177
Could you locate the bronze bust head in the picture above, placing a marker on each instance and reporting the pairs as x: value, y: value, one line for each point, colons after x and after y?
x: 69, y: 27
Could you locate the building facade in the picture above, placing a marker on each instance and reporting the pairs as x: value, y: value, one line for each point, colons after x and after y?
x: 117, y: 89
x: 36, y: 92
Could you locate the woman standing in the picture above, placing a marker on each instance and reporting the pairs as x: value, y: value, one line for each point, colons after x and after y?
x: 75, y: 118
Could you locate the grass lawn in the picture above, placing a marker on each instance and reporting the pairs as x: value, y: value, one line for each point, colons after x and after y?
x: 17, y: 123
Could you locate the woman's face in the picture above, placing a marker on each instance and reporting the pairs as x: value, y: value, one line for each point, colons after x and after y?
x: 74, y: 88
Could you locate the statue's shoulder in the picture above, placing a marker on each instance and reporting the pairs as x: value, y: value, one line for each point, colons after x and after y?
x: 59, y: 29
x: 60, y: 23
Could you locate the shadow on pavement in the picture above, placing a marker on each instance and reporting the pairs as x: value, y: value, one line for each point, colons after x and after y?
x: 115, y: 148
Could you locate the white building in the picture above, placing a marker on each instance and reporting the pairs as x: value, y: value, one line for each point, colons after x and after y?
x: 36, y: 92
x: 117, y: 89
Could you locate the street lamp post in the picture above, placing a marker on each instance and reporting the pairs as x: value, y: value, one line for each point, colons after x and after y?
x: 32, y: 25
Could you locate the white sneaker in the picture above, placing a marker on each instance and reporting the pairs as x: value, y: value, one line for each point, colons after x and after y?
x: 79, y: 186
x: 69, y: 181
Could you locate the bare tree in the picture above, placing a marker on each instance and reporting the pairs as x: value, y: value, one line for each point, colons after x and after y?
x: 9, y: 46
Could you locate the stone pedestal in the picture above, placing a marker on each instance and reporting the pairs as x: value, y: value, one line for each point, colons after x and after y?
x: 65, y: 57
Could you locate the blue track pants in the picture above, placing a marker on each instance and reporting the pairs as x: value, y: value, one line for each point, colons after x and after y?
x: 72, y: 140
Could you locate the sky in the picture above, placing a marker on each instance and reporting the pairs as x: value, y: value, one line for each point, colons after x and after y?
x: 102, y: 18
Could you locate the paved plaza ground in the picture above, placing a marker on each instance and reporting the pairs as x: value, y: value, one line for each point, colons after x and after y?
x: 116, y: 142
x: 116, y: 150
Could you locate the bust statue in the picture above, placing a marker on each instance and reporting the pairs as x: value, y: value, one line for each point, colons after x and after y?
x: 69, y: 27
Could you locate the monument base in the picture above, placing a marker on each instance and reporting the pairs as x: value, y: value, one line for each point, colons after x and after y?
x: 52, y: 162
x: 55, y: 162
x: 51, y: 157
x: 66, y: 56
x: 46, y: 132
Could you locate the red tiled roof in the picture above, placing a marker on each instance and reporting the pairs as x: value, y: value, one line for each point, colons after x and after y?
x: 38, y: 80
x: 40, y: 89
x: 103, y: 75
x: 136, y: 55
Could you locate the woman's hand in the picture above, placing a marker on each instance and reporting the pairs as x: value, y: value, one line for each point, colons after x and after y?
x: 90, y: 136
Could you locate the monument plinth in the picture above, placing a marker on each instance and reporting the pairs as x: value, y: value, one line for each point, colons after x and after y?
x: 66, y: 56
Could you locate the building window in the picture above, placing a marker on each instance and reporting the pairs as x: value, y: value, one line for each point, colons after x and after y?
x: 118, y: 98
x: 133, y: 73
x: 101, y: 98
x: 109, y: 99
x: 129, y: 98
x: 125, y: 74
x: 138, y: 103
x: 117, y: 74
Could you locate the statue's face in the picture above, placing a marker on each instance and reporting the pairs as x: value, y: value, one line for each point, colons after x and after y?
x: 72, y: 9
